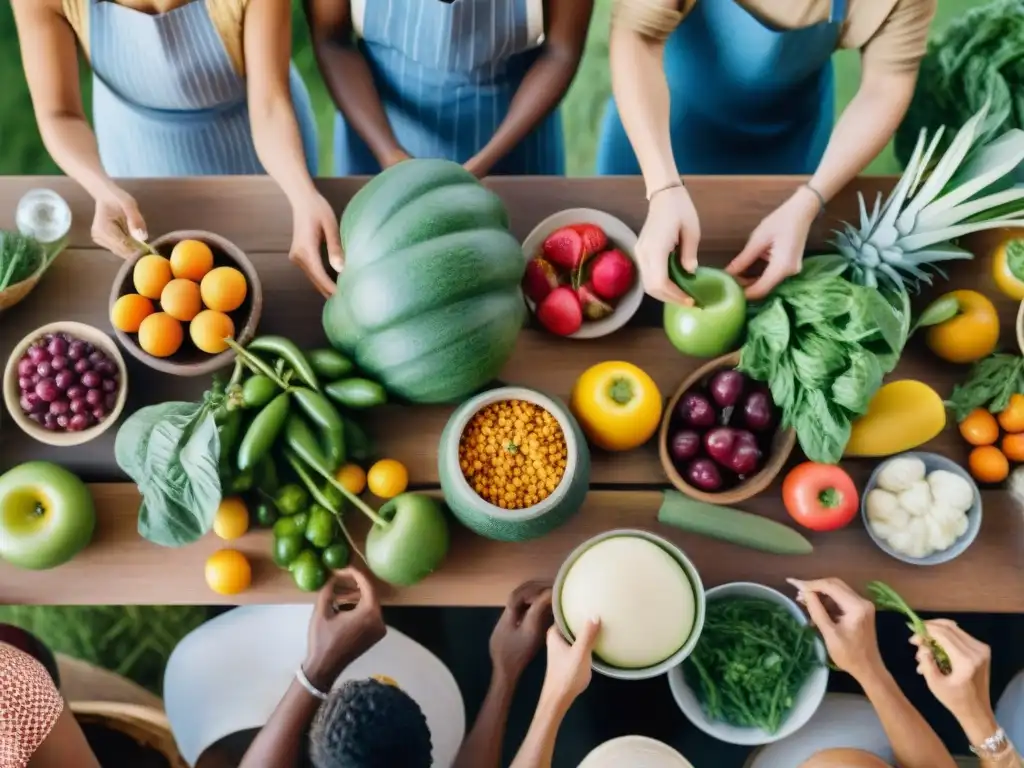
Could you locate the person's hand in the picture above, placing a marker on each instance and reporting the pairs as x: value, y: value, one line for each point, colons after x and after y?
x: 393, y: 157
x: 346, y: 623
x: 672, y: 222
x: 850, y: 637
x: 478, y: 165
x: 117, y: 221
x: 568, y: 673
x: 314, y: 223
x: 779, y: 239
x: 965, y: 690
x: 520, y: 630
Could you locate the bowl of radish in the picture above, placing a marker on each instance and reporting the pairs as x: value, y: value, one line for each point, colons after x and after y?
x: 720, y: 439
x: 581, y: 276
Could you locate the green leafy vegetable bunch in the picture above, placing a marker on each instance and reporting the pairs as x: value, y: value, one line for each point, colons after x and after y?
x: 20, y: 258
x: 990, y: 385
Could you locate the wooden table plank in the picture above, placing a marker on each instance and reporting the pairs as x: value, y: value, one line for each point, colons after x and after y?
x: 119, y: 567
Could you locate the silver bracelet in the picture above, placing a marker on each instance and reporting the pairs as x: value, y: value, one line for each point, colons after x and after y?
x: 817, y: 194
x: 670, y: 185
x: 312, y: 689
x: 993, y: 746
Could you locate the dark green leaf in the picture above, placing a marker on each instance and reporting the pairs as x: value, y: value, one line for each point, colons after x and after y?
x: 939, y: 311
x: 990, y: 384
x: 783, y: 385
x: 772, y: 326
x: 819, y: 267
x: 856, y: 386
x: 823, y: 432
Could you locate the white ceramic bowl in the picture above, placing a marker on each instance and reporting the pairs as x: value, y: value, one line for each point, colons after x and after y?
x: 932, y: 462
x: 642, y: 673
x: 639, y: 751
x: 620, y: 236
x: 12, y: 395
x: 807, y: 702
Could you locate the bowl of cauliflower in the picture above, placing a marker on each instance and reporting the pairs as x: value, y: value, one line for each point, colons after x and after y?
x: 922, y: 508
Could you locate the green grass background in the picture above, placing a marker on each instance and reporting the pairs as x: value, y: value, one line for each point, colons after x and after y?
x: 137, y: 641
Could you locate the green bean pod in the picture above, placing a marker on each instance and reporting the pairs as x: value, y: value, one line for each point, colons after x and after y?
x: 229, y: 430
x: 357, y: 392
x: 357, y: 443
x: 329, y: 364
x: 258, y: 390
x: 263, y: 431
x: 324, y: 415
x: 300, y: 438
x: 291, y: 354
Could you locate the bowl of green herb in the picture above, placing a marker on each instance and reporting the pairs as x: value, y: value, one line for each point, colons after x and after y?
x: 22, y: 263
x: 758, y: 672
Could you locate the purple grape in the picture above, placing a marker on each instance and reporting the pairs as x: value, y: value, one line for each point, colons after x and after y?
x: 38, y: 354
x: 105, y: 368
x: 24, y: 383
x: 110, y: 401
x: 109, y: 385
x: 78, y: 422
x: 76, y: 392
x: 44, y: 369
x: 79, y: 406
x: 91, y: 379
x: 99, y: 413
x: 63, y: 419
x: 28, y: 402
x: 94, y: 397
x: 83, y: 365
x: 36, y: 417
x: 26, y: 367
x: 50, y: 422
x: 58, y: 346
x: 47, y: 390
x: 65, y: 380
x: 89, y: 348
x: 76, y: 350
x: 696, y: 410
x: 35, y: 378
x: 684, y: 445
x: 726, y: 387
x: 59, y: 407
x: 59, y: 362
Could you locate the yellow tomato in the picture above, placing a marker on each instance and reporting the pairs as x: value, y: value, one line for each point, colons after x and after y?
x: 387, y: 478
x: 969, y: 336
x: 617, y: 404
x: 232, y: 518
x: 352, y: 477
x: 1008, y: 264
x: 228, y: 572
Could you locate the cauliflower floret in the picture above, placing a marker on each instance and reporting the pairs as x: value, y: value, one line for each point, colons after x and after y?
x: 884, y: 507
x: 951, y: 489
x: 946, y: 514
x: 917, y: 499
x: 899, y: 474
x: 940, y: 536
x: 912, y: 540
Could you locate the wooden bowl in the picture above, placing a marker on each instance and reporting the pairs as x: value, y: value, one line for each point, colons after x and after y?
x: 12, y: 395
x: 189, y: 361
x: 14, y: 294
x: 782, y: 445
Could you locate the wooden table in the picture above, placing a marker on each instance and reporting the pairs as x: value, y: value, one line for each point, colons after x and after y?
x: 120, y: 567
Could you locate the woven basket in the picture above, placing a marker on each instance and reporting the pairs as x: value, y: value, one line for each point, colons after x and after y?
x: 148, y: 726
x: 15, y: 293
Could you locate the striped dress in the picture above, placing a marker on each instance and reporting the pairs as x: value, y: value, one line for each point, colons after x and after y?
x: 446, y: 74
x: 169, y: 90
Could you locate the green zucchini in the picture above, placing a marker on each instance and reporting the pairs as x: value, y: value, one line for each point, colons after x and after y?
x: 732, y: 525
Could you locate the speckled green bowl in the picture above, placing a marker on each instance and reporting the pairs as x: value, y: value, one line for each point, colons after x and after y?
x: 490, y: 521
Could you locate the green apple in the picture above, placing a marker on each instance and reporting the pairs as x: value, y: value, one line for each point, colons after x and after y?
x: 714, y: 324
x: 412, y: 542
x: 47, y: 515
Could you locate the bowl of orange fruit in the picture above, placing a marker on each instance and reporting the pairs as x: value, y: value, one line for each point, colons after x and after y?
x: 174, y: 304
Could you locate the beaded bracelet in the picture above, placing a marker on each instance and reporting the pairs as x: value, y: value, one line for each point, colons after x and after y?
x: 994, y: 746
x: 312, y: 689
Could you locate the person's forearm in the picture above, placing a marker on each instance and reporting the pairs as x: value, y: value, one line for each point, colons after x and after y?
x: 913, y: 741
x: 482, y: 747
x: 978, y: 727
x: 351, y: 86
x: 275, y: 134
x: 642, y: 99
x: 72, y: 144
x: 538, y: 748
x: 279, y: 742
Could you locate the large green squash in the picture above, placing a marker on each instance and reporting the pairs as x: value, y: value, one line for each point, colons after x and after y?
x: 429, y: 302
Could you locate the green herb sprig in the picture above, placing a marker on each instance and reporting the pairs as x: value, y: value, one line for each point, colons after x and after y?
x: 990, y: 385
x: 20, y: 258
x: 887, y: 599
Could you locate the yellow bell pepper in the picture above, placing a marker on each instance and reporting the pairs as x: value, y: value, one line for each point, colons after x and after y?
x: 902, y: 416
x: 1008, y: 264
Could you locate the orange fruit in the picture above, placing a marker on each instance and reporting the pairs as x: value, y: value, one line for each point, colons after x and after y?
x: 352, y: 477
x: 980, y: 427
x: 223, y: 289
x: 988, y: 464
x: 232, y: 518
x: 387, y: 478
x: 191, y: 259
x: 129, y: 311
x: 208, y: 330
x: 160, y: 335
x: 1013, y: 447
x: 180, y: 299
x: 1012, y: 417
x: 228, y: 572
x: 970, y: 335
x: 150, y: 275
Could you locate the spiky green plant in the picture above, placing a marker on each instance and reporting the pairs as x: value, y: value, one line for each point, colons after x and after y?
x: 969, y: 189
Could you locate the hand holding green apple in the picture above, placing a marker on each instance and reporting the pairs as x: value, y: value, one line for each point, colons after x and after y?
x: 714, y: 324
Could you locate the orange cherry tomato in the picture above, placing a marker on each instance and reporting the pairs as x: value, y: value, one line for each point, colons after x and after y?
x: 1013, y: 447
x: 988, y: 464
x: 1012, y: 418
x: 980, y: 427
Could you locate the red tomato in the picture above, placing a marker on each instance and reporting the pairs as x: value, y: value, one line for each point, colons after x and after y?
x: 821, y: 497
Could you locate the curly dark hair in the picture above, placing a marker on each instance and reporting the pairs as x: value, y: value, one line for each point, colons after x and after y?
x: 368, y: 724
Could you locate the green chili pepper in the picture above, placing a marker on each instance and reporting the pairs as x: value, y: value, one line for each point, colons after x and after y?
x: 229, y: 428
x: 263, y: 431
x: 258, y: 390
x: 324, y: 415
x: 240, y: 482
x: 291, y: 354
x: 329, y: 364
x: 357, y: 393
x: 265, y: 478
x: 358, y: 444
x: 300, y: 438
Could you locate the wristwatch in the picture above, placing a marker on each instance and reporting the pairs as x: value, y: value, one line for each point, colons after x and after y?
x: 994, y: 746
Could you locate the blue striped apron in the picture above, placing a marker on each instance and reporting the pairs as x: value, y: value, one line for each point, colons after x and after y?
x: 745, y: 97
x: 167, y: 100
x: 446, y: 74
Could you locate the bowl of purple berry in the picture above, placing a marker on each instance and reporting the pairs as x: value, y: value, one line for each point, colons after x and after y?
x: 720, y: 438
x: 65, y: 383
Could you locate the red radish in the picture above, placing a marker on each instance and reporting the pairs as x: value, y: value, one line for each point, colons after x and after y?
x: 540, y: 279
x: 594, y: 238
x: 612, y: 274
x: 561, y: 312
x: 564, y: 248
x: 593, y: 307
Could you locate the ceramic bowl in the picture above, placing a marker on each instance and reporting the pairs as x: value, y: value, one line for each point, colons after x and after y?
x: 1020, y: 324
x: 188, y: 360
x: 634, y: 751
x: 932, y: 462
x: 620, y: 236
x: 492, y: 521
x: 782, y: 444
x: 12, y: 394
x: 643, y: 673
x: 807, y: 702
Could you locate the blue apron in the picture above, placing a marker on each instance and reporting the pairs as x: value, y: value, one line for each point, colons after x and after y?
x: 167, y: 100
x: 446, y: 74
x: 745, y: 98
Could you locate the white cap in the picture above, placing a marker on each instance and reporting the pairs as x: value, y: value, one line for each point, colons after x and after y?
x: 636, y: 752
x: 229, y: 675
